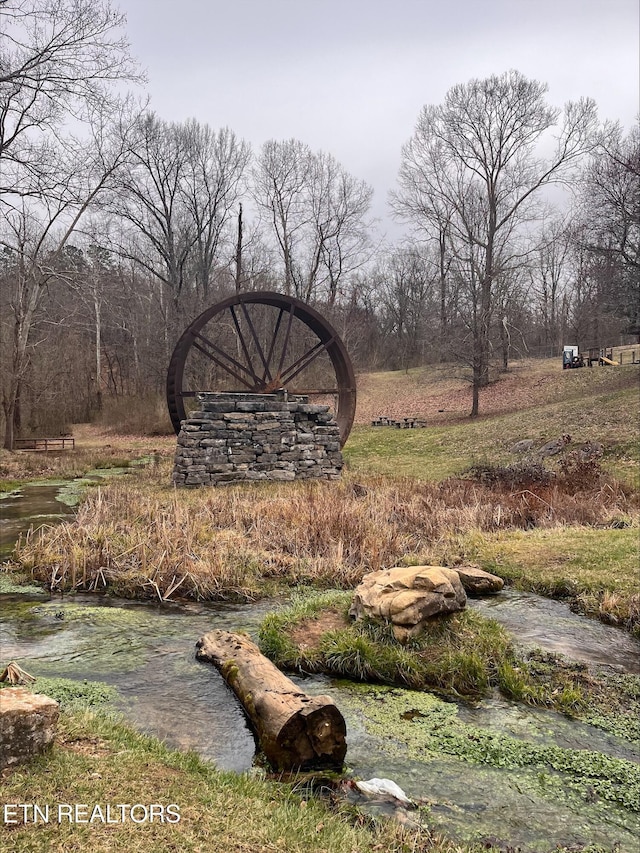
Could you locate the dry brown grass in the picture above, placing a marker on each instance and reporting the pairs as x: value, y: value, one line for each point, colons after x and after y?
x: 94, y: 448
x: 143, y: 539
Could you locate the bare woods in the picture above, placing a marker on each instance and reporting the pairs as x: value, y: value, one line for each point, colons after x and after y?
x: 118, y: 226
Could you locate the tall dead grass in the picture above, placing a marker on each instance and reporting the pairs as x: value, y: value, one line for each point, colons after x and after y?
x: 142, y: 539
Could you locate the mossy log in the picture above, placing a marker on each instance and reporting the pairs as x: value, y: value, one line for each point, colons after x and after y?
x: 294, y: 730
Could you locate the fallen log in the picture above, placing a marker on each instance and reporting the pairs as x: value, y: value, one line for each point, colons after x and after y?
x: 294, y: 730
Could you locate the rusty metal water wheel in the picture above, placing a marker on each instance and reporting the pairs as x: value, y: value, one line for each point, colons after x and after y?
x: 259, y: 343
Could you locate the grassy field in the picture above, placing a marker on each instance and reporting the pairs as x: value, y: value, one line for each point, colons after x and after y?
x: 599, y: 567
x: 590, y: 405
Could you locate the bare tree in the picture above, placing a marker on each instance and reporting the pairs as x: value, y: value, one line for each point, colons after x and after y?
x: 550, y: 273
x: 156, y: 230
x: 477, y: 158
x: 213, y: 182
x: 174, y: 204
x: 58, y: 59
x: 610, y: 217
x: 36, y: 233
x: 407, y: 299
x: 317, y: 213
x: 280, y: 182
x: 339, y: 204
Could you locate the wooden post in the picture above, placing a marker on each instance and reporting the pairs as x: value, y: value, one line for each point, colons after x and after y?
x: 294, y: 730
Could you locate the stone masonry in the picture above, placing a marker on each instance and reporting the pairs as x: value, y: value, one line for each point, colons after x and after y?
x: 246, y: 437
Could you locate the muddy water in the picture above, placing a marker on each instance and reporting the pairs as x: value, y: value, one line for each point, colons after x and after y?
x: 148, y: 653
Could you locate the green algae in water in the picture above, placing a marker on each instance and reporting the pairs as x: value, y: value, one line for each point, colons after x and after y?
x: 76, y: 695
x: 72, y: 493
x: 623, y: 718
x: 60, y: 637
x: 566, y: 796
x: 12, y: 585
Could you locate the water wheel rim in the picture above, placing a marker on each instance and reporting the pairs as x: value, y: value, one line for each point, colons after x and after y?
x: 290, y: 308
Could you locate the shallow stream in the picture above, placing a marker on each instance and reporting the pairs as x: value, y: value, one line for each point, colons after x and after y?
x: 148, y: 653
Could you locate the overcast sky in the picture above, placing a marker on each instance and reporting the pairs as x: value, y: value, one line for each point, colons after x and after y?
x: 350, y: 76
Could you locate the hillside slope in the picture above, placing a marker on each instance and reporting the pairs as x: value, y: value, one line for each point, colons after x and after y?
x: 536, y: 400
x: 442, y: 394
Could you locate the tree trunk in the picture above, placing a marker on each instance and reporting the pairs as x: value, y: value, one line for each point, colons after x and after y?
x: 505, y: 343
x: 295, y: 731
x: 239, y: 253
x: 8, y: 406
x: 97, y: 308
x: 476, y: 381
x: 443, y: 297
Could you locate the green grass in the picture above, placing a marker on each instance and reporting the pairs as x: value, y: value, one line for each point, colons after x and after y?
x: 98, y: 760
x: 597, y: 568
x: 588, y: 414
x: 10, y: 485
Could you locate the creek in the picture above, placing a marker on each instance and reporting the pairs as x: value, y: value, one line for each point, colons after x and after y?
x: 147, y: 652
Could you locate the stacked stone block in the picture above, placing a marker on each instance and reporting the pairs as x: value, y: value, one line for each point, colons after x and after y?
x: 245, y: 437
x: 28, y: 724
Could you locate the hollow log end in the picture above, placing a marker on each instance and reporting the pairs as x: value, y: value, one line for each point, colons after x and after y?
x: 313, y: 739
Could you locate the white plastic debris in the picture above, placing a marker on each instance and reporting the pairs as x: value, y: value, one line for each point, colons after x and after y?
x: 383, y: 788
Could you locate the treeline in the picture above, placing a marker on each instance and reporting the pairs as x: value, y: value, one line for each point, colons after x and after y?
x: 113, y: 238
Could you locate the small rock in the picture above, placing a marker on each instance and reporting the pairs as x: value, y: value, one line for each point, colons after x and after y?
x: 590, y: 451
x: 523, y: 446
x: 478, y: 582
x: 551, y: 448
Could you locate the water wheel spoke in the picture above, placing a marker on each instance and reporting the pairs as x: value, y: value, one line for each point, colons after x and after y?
x: 265, y: 364
x: 215, y: 354
x: 285, y: 344
x: 272, y: 345
x: 305, y: 360
x: 244, y: 346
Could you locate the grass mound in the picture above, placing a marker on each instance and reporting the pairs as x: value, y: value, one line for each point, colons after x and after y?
x: 461, y: 655
x: 464, y: 654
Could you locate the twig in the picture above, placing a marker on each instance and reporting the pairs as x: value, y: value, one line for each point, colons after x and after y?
x: 14, y: 674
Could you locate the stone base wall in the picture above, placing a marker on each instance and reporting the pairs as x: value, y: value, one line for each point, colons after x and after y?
x: 245, y: 437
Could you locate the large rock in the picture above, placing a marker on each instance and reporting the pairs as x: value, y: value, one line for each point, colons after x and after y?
x: 408, y: 597
x: 478, y: 582
x: 27, y: 724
